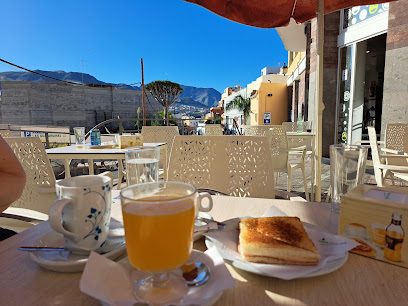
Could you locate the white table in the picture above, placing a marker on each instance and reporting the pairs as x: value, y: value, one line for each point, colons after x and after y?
x: 306, y: 139
x: 72, y: 152
x: 361, y: 281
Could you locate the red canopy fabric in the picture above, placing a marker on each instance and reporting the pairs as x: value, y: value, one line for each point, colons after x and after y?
x: 274, y: 13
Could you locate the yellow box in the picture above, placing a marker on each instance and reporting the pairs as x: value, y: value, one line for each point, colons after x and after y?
x: 128, y: 141
x: 369, y: 214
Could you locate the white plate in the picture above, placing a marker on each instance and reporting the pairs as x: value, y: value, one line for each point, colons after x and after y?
x: 330, y: 266
x: 65, y: 261
x: 201, y: 223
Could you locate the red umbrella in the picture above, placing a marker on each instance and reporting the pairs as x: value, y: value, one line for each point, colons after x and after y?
x: 277, y: 13
x: 274, y: 13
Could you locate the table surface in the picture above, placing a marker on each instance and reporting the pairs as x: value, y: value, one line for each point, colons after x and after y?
x: 72, y: 149
x: 361, y: 281
x: 300, y: 134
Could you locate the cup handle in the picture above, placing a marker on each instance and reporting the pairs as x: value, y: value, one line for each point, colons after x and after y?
x: 201, y: 196
x: 55, y: 218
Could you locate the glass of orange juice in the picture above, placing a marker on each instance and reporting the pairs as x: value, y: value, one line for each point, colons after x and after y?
x: 158, y: 219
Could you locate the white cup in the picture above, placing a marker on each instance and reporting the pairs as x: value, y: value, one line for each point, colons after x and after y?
x: 82, y: 212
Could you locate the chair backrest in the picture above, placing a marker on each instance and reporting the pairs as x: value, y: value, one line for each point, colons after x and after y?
x: 236, y: 165
x: 39, y: 173
x: 292, y: 126
x: 213, y: 130
x: 276, y: 136
x: 5, y: 133
x: 375, y: 155
x: 396, y: 138
x: 255, y: 130
x: 160, y: 134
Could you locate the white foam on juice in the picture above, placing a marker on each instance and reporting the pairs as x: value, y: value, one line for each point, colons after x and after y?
x: 159, y: 205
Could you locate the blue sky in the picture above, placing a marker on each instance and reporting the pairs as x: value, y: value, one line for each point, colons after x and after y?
x: 178, y: 41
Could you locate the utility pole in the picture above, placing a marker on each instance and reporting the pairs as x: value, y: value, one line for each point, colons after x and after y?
x: 82, y: 65
x: 143, y: 95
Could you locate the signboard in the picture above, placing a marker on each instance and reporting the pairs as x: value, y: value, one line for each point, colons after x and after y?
x: 267, y: 118
x: 55, y: 139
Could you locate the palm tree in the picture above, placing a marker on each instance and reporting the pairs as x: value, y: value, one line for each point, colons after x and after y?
x: 242, y: 104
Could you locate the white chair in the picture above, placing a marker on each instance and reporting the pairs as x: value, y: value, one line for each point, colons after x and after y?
x: 292, y: 126
x: 39, y: 192
x: 160, y: 134
x: 277, y: 138
x: 396, y: 138
x: 5, y: 133
x: 214, y: 130
x: 385, y: 165
x: 235, y: 165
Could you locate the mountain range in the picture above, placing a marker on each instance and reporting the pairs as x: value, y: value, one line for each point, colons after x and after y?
x: 192, y: 96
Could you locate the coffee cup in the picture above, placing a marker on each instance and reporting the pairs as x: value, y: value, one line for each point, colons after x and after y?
x: 82, y: 212
x: 355, y: 230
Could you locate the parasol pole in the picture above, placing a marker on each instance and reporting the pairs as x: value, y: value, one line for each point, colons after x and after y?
x: 319, y: 98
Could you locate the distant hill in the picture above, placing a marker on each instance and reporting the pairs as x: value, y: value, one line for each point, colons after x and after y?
x: 207, y: 96
x: 193, y: 96
x: 189, y: 101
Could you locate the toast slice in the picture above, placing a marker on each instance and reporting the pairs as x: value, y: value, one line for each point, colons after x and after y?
x: 276, y: 240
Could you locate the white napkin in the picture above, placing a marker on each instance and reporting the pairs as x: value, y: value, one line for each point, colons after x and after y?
x: 112, y: 282
x: 330, y: 247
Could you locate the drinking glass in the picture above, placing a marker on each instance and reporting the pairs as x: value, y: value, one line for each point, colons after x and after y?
x: 347, y: 168
x: 142, y: 165
x: 159, y: 222
x: 79, y: 133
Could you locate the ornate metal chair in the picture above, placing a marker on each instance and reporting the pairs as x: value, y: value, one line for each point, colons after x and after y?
x: 396, y: 138
x: 160, y: 134
x: 39, y: 192
x: 255, y: 130
x: 235, y: 165
x: 5, y: 133
x: 213, y: 130
x: 277, y: 138
x: 292, y: 126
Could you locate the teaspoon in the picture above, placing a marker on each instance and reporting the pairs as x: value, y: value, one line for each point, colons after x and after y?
x: 196, y: 274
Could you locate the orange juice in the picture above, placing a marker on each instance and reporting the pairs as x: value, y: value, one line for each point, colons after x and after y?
x: 394, y: 244
x: 378, y: 235
x: 159, y: 237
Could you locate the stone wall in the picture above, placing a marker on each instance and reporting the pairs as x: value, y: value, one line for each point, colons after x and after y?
x: 48, y: 103
x: 395, y: 96
x: 330, y: 58
x: 330, y: 61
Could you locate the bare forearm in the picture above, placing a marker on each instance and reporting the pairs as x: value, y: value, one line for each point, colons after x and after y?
x: 12, y: 185
x: 12, y: 176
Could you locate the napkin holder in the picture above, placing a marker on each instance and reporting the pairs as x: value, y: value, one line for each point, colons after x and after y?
x: 365, y: 214
x: 128, y: 141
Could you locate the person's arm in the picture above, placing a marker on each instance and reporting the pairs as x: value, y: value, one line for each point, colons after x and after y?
x: 12, y: 176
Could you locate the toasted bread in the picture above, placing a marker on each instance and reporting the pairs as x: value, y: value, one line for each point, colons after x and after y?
x: 363, y: 249
x: 276, y: 240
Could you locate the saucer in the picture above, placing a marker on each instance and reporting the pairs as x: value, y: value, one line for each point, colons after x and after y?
x: 65, y: 261
x: 201, y: 223
x: 207, y: 291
